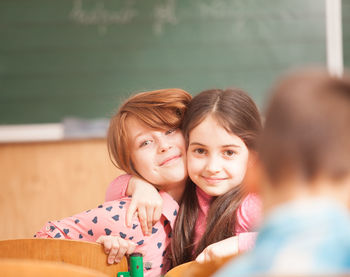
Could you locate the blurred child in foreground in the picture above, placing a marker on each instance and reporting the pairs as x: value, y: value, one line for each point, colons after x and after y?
x: 305, y: 180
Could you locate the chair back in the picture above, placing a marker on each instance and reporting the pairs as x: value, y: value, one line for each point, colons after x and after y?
x: 36, y: 268
x: 81, y: 253
x: 179, y: 270
x: 206, y: 269
x: 194, y: 269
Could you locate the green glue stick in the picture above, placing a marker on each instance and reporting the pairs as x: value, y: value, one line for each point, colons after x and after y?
x: 135, y: 266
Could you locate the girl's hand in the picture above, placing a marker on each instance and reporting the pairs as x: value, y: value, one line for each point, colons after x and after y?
x: 146, y: 201
x: 223, y: 248
x: 116, y: 247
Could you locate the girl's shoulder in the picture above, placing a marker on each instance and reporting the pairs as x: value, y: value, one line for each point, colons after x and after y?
x: 249, y: 213
x: 117, y: 188
x: 252, y: 200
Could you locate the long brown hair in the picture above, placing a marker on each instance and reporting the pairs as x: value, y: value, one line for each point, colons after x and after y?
x: 157, y: 109
x: 237, y: 113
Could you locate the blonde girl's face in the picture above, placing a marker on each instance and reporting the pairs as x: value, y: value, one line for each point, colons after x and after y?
x: 216, y: 160
x: 159, y: 156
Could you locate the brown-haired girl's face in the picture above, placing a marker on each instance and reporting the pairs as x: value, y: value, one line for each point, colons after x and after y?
x: 217, y: 160
x: 159, y: 156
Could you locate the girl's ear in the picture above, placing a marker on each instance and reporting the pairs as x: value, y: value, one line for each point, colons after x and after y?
x: 253, y: 175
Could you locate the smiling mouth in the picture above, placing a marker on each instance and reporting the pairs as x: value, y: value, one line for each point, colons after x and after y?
x: 213, y: 180
x: 168, y: 160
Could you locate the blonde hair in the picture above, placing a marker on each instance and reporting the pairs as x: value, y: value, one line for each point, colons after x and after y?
x: 158, y: 109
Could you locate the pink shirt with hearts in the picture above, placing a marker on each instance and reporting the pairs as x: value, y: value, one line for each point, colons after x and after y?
x: 109, y: 219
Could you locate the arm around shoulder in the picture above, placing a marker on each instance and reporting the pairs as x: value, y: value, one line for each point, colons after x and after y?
x: 118, y: 188
x: 249, y: 214
x: 248, y: 219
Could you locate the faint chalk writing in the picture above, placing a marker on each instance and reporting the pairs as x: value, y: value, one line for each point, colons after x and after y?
x: 164, y: 13
x: 215, y: 9
x: 102, y: 17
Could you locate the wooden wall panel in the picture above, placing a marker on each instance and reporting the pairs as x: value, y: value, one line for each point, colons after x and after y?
x: 50, y: 180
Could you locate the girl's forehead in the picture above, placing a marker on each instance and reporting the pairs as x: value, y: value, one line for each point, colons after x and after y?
x: 132, y: 122
x: 136, y: 128
x: 211, y: 133
x: 208, y: 125
x: 215, y: 120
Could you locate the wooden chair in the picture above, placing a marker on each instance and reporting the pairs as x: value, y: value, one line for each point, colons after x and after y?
x: 194, y: 269
x: 81, y: 253
x: 179, y: 270
x: 208, y: 268
x: 36, y: 268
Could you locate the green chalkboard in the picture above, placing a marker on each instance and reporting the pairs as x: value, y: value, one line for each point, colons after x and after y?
x: 81, y: 58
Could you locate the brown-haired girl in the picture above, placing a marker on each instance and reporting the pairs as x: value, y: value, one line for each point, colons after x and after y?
x: 220, y: 128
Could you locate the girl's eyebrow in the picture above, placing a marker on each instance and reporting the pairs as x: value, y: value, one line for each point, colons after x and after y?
x: 231, y: 145
x: 134, y: 138
x: 223, y: 146
x: 137, y: 137
x: 141, y: 134
x: 197, y: 143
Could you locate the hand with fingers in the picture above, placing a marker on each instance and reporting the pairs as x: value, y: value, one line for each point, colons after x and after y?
x: 116, y: 247
x: 223, y: 248
x: 146, y: 203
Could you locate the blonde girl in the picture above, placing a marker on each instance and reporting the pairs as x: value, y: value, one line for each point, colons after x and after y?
x: 144, y: 140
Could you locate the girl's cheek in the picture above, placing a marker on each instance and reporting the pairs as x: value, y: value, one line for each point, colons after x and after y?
x: 189, y: 156
x: 192, y: 159
x: 190, y: 163
x: 194, y: 165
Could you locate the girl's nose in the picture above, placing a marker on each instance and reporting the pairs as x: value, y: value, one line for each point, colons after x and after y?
x: 213, y: 165
x: 164, y: 148
x: 164, y: 145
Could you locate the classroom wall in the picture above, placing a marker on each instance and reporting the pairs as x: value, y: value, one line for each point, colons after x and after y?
x: 49, y: 180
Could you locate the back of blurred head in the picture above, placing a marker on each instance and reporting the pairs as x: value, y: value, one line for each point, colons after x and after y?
x: 307, y: 129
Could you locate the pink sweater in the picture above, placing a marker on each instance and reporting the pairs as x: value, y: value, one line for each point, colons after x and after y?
x: 248, y: 217
x: 248, y: 214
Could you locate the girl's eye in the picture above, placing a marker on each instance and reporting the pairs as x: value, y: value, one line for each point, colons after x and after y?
x: 170, y: 131
x: 145, y: 143
x: 229, y: 153
x: 200, y: 151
